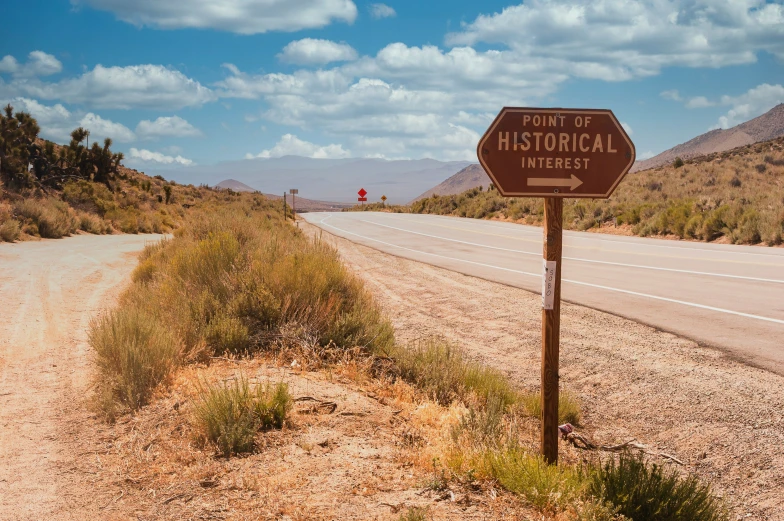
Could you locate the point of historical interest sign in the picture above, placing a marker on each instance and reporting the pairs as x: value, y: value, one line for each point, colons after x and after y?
x: 532, y: 152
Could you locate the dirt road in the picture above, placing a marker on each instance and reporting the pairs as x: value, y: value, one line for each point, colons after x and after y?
x: 49, y: 290
x: 724, y: 419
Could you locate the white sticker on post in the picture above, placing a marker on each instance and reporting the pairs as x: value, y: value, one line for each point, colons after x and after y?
x: 548, y: 283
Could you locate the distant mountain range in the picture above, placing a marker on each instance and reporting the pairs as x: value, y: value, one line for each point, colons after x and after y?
x: 469, y: 177
x: 762, y: 128
x: 302, y: 204
x: 327, y: 179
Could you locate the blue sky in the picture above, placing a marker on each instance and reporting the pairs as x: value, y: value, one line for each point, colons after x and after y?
x: 200, y: 82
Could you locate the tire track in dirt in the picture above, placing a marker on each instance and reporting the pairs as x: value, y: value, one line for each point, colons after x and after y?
x: 49, y: 290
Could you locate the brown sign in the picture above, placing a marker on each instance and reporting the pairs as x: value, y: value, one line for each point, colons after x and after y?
x: 530, y: 152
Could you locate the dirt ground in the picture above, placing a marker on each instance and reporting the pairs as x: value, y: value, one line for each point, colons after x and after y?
x: 49, y: 290
x: 722, y: 418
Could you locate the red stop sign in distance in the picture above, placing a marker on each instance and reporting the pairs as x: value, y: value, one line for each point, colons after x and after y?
x: 362, y: 192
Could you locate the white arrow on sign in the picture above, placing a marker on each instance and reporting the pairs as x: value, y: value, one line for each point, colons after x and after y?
x: 572, y: 183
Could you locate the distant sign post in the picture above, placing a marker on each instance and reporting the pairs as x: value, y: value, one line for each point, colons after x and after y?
x: 554, y: 153
x: 362, y: 193
x: 384, y: 200
x: 294, y: 192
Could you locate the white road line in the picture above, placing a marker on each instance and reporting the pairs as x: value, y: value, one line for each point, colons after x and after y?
x: 690, y: 272
x: 539, y: 275
x: 685, y: 247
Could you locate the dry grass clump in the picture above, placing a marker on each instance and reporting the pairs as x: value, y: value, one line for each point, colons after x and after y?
x: 49, y: 218
x: 443, y: 372
x: 414, y: 514
x: 735, y: 195
x: 134, y: 354
x: 568, y: 406
x: 9, y: 227
x: 10, y: 230
x: 230, y: 414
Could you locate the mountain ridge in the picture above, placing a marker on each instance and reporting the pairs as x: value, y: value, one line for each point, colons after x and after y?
x: 765, y: 127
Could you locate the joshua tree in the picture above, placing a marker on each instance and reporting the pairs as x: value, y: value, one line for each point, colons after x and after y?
x: 25, y: 163
x: 17, y: 133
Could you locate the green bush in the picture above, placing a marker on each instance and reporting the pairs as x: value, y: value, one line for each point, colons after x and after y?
x: 549, y: 488
x: 134, y: 354
x: 677, y: 163
x: 230, y: 414
x: 649, y: 492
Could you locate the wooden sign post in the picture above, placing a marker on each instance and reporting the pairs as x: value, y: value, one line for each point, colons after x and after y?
x: 554, y: 153
x: 294, y: 192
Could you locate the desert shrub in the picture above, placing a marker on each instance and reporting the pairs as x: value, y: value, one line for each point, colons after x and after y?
x: 735, y: 182
x: 93, y: 224
x: 442, y: 371
x: 761, y: 167
x: 236, y: 279
x: 53, y: 219
x: 649, y: 492
x: 230, y: 414
x: 225, y: 334
x: 89, y: 196
x: 414, y: 514
x: 677, y: 163
x: 773, y: 161
x: 569, y: 410
x: 134, y: 354
x: 549, y: 488
x: 9, y: 230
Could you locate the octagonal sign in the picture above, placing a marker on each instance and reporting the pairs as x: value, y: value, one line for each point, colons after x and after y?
x: 535, y: 152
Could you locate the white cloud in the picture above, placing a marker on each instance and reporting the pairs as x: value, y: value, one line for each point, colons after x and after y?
x: 645, y: 155
x: 173, y: 126
x: 309, y: 51
x: 627, y: 128
x: 238, y: 16
x: 102, y: 128
x: 627, y: 39
x: 133, y: 86
x: 290, y: 145
x: 672, y: 95
x: 38, y: 64
x: 148, y: 156
x: 699, y: 102
x: 378, y: 11
x: 407, y: 112
x: 751, y: 104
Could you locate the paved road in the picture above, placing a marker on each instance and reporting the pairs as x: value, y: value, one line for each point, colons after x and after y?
x: 730, y: 297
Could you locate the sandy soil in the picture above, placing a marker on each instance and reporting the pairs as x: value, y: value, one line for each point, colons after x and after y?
x: 723, y: 418
x: 49, y: 290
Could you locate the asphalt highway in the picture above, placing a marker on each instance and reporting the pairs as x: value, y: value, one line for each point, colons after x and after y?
x: 725, y: 296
